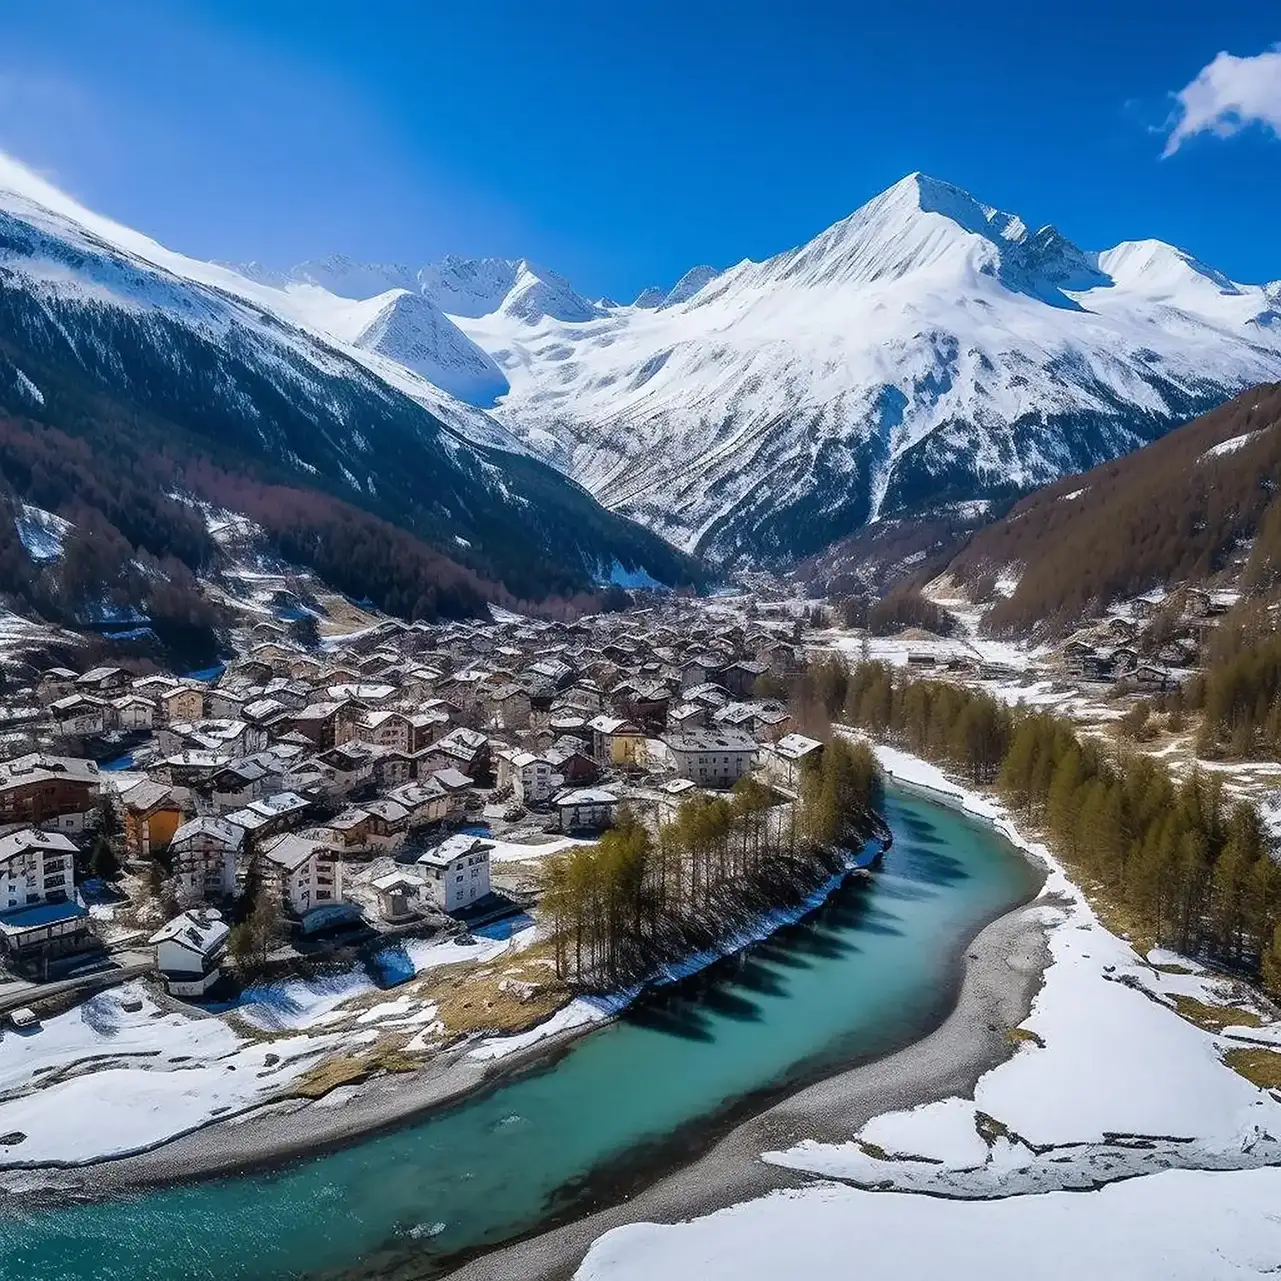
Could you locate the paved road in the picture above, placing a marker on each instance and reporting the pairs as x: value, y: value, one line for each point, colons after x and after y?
x: 122, y: 967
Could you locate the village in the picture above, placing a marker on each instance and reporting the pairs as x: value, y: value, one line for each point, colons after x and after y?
x: 403, y: 780
x: 408, y: 778
x: 339, y: 856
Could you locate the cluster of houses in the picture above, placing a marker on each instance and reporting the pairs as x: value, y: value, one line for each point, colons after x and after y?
x: 1121, y: 647
x: 292, y: 769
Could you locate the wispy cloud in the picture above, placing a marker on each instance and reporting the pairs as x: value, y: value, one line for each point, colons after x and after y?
x: 1228, y: 95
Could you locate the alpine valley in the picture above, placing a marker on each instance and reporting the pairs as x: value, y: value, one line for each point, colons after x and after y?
x: 478, y: 431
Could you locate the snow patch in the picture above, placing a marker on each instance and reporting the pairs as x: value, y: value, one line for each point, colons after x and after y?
x: 42, y: 533
x: 1231, y: 445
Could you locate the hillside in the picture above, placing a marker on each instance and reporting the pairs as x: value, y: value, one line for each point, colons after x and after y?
x: 1180, y: 510
x: 128, y: 373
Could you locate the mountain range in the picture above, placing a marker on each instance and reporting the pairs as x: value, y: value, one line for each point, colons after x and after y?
x: 928, y: 358
x: 925, y: 350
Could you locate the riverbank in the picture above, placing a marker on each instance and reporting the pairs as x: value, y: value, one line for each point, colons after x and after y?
x: 999, y: 974
x: 277, y: 1133
x: 875, y: 969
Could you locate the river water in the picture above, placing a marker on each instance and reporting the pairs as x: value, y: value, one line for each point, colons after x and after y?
x: 869, y: 971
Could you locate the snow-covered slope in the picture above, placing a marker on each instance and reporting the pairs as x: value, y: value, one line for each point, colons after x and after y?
x: 104, y: 330
x: 924, y: 351
x: 927, y: 348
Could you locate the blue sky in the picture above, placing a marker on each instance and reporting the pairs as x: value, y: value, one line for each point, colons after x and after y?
x: 621, y: 143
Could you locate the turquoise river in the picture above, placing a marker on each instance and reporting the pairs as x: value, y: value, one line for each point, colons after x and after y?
x: 869, y: 971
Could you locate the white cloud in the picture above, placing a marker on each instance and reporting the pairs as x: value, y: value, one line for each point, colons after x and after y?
x: 1228, y: 95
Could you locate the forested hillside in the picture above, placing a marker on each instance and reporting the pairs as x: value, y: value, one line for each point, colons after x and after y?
x: 110, y: 416
x: 1174, y: 511
x: 1177, y: 862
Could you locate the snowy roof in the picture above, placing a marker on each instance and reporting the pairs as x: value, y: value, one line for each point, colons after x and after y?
x: 454, y: 847
x: 452, y: 780
x: 202, y: 931
x: 216, y: 828
x: 416, y: 792
x: 388, y: 810
x: 396, y: 881
x: 613, y: 725
x: 586, y: 796
x: 37, y: 766
x: 29, y: 839
x: 796, y: 746
x: 146, y: 794
x: 721, y: 739
x: 292, y: 851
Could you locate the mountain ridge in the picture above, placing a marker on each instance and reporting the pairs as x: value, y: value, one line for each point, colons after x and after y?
x: 173, y: 367
x: 926, y: 349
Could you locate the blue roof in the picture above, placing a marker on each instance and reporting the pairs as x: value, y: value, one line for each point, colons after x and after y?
x: 30, y: 918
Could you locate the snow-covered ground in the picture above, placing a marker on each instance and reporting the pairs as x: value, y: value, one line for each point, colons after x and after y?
x: 102, y: 1080
x: 42, y: 533
x: 581, y: 1012
x: 120, y: 1073
x: 1111, y: 1080
x: 1033, y: 1176
x: 519, y: 851
x: 1183, y: 1225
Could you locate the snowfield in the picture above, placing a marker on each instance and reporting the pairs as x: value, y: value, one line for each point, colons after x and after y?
x: 1183, y: 1225
x: 103, y: 1080
x: 41, y: 533
x: 1110, y: 1081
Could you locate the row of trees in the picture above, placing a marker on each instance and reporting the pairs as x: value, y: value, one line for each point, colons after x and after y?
x: 1191, y: 869
x: 645, y: 894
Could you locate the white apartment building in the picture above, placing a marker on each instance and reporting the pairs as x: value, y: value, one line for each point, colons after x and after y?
x: 307, y: 872
x: 712, y: 757
x: 456, y: 872
x: 36, y: 867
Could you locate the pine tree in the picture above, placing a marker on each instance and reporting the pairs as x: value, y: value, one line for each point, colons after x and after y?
x: 1270, y: 963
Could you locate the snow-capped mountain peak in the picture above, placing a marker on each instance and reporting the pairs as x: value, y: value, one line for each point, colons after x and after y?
x: 928, y: 344
x: 537, y: 293
x: 409, y: 329
x: 927, y: 348
x: 1161, y: 269
x: 922, y: 226
x: 691, y: 283
x: 341, y: 275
